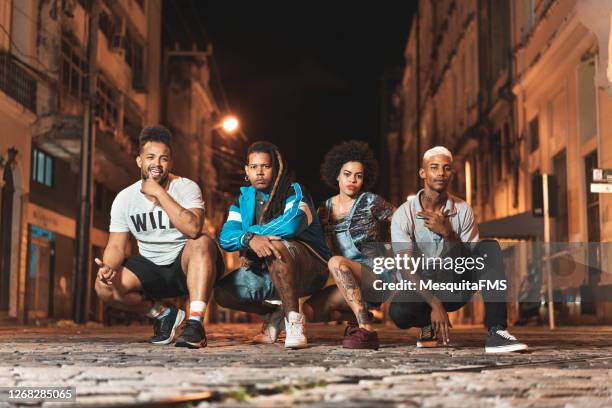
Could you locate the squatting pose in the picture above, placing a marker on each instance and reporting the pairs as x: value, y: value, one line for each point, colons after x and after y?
x: 353, y: 221
x: 435, y: 224
x: 165, y: 214
x: 273, y: 223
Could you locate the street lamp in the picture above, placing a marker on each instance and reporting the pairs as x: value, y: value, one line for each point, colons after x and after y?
x: 230, y: 124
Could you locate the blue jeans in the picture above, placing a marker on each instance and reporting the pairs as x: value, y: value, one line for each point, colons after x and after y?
x: 247, y: 288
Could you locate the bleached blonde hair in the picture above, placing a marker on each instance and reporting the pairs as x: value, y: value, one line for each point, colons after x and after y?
x: 437, y: 151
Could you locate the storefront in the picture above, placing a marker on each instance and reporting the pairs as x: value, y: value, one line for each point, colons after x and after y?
x: 47, y: 266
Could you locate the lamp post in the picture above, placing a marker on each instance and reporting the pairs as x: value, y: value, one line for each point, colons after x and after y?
x: 230, y: 125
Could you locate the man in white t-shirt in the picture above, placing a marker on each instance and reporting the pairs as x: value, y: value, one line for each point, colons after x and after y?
x: 165, y: 214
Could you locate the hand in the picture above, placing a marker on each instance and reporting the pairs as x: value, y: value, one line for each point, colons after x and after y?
x: 440, y: 323
x: 151, y: 188
x: 105, y: 273
x: 263, y: 247
x: 437, y: 221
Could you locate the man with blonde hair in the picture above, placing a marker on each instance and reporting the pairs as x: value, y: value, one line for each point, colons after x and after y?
x: 434, y: 225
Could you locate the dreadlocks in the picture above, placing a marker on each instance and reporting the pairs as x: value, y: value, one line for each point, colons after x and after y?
x: 280, y: 187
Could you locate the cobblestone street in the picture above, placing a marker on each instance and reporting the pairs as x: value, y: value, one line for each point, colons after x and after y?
x: 571, y: 367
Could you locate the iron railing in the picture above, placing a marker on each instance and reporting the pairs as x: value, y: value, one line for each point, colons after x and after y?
x: 17, y: 82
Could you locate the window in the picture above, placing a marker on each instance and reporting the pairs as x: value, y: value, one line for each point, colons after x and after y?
x: 587, y: 100
x: 134, y: 55
x: 106, y: 105
x: 528, y: 17
x: 107, y: 26
x: 592, y: 199
x: 508, y: 145
x: 74, y: 68
x: 534, y: 134
x: 496, y: 154
x: 42, y: 167
x: 561, y: 222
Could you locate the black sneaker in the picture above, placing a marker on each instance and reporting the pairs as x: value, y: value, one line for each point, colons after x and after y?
x: 427, y: 338
x: 164, y: 328
x: 193, y: 335
x: 500, y: 341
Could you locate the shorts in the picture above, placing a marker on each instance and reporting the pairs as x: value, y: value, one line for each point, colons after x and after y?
x: 254, y: 283
x: 164, y: 281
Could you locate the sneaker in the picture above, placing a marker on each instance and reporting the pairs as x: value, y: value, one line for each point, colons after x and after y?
x: 294, y: 325
x: 350, y: 326
x: 427, y: 339
x: 155, y: 310
x: 500, y: 341
x: 359, y: 338
x: 164, y: 328
x: 193, y: 336
x: 273, y: 325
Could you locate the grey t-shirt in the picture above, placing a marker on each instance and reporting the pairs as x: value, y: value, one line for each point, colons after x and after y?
x: 409, y: 233
x: 158, y: 240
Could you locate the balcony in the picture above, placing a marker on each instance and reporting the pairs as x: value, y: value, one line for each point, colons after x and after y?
x: 17, y: 82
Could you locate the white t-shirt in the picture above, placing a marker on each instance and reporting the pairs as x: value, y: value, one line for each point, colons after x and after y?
x: 158, y: 240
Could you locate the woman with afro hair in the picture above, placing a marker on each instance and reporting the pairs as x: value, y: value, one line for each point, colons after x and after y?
x: 353, y: 221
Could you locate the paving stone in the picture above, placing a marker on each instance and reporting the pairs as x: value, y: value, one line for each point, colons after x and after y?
x: 571, y: 367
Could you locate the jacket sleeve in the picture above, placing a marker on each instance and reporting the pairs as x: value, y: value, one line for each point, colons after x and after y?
x: 296, y: 217
x: 230, y: 238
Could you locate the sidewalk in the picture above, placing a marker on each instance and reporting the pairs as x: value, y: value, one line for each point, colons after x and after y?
x: 115, y: 365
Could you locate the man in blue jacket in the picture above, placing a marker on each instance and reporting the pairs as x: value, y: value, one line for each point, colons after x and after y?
x: 274, y: 225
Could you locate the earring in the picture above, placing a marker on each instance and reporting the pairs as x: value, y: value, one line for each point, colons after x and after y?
x: 246, y: 178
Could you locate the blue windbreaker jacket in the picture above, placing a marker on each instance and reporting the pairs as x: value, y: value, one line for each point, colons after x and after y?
x: 299, y: 221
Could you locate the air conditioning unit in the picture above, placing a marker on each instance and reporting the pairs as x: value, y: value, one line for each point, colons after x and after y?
x: 118, y: 43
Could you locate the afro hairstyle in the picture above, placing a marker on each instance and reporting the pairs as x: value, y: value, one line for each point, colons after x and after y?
x: 349, y: 151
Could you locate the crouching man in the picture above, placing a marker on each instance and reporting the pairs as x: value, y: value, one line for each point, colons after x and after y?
x: 436, y: 225
x: 165, y: 214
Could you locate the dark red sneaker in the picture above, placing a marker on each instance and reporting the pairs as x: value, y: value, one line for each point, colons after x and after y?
x: 358, y: 338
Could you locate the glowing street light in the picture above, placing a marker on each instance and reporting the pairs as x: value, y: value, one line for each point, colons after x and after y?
x: 230, y: 124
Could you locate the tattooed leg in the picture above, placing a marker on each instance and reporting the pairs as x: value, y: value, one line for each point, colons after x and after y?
x: 283, y: 273
x: 348, y: 285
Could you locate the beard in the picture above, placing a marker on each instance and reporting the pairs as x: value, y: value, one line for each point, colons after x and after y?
x: 146, y: 174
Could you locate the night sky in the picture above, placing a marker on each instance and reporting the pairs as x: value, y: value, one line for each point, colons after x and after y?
x: 304, y: 77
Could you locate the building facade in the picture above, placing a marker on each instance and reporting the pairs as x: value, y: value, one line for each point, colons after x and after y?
x: 45, y: 59
x: 514, y: 89
x: 43, y: 86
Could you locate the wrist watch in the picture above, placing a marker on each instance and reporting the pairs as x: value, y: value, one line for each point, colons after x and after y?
x: 246, y: 238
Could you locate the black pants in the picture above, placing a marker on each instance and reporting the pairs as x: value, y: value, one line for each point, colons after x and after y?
x: 408, y: 309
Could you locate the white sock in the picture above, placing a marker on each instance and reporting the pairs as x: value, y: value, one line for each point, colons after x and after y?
x: 197, y: 308
x: 293, y: 316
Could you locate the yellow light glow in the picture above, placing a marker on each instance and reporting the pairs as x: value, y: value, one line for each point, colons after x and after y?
x: 230, y: 124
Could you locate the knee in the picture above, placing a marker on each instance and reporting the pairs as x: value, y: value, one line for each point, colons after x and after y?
x: 104, y: 292
x: 400, y: 315
x: 203, y: 245
x: 285, y: 261
x: 222, y: 298
x: 490, y: 247
x: 334, y: 262
x: 337, y: 262
x: 279, y: 246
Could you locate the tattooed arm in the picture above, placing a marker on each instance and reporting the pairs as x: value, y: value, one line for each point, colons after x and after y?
x: 187, y: 220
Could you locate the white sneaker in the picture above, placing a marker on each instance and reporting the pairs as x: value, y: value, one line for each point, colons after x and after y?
x: 295, y: 337
x: 273, y: 325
